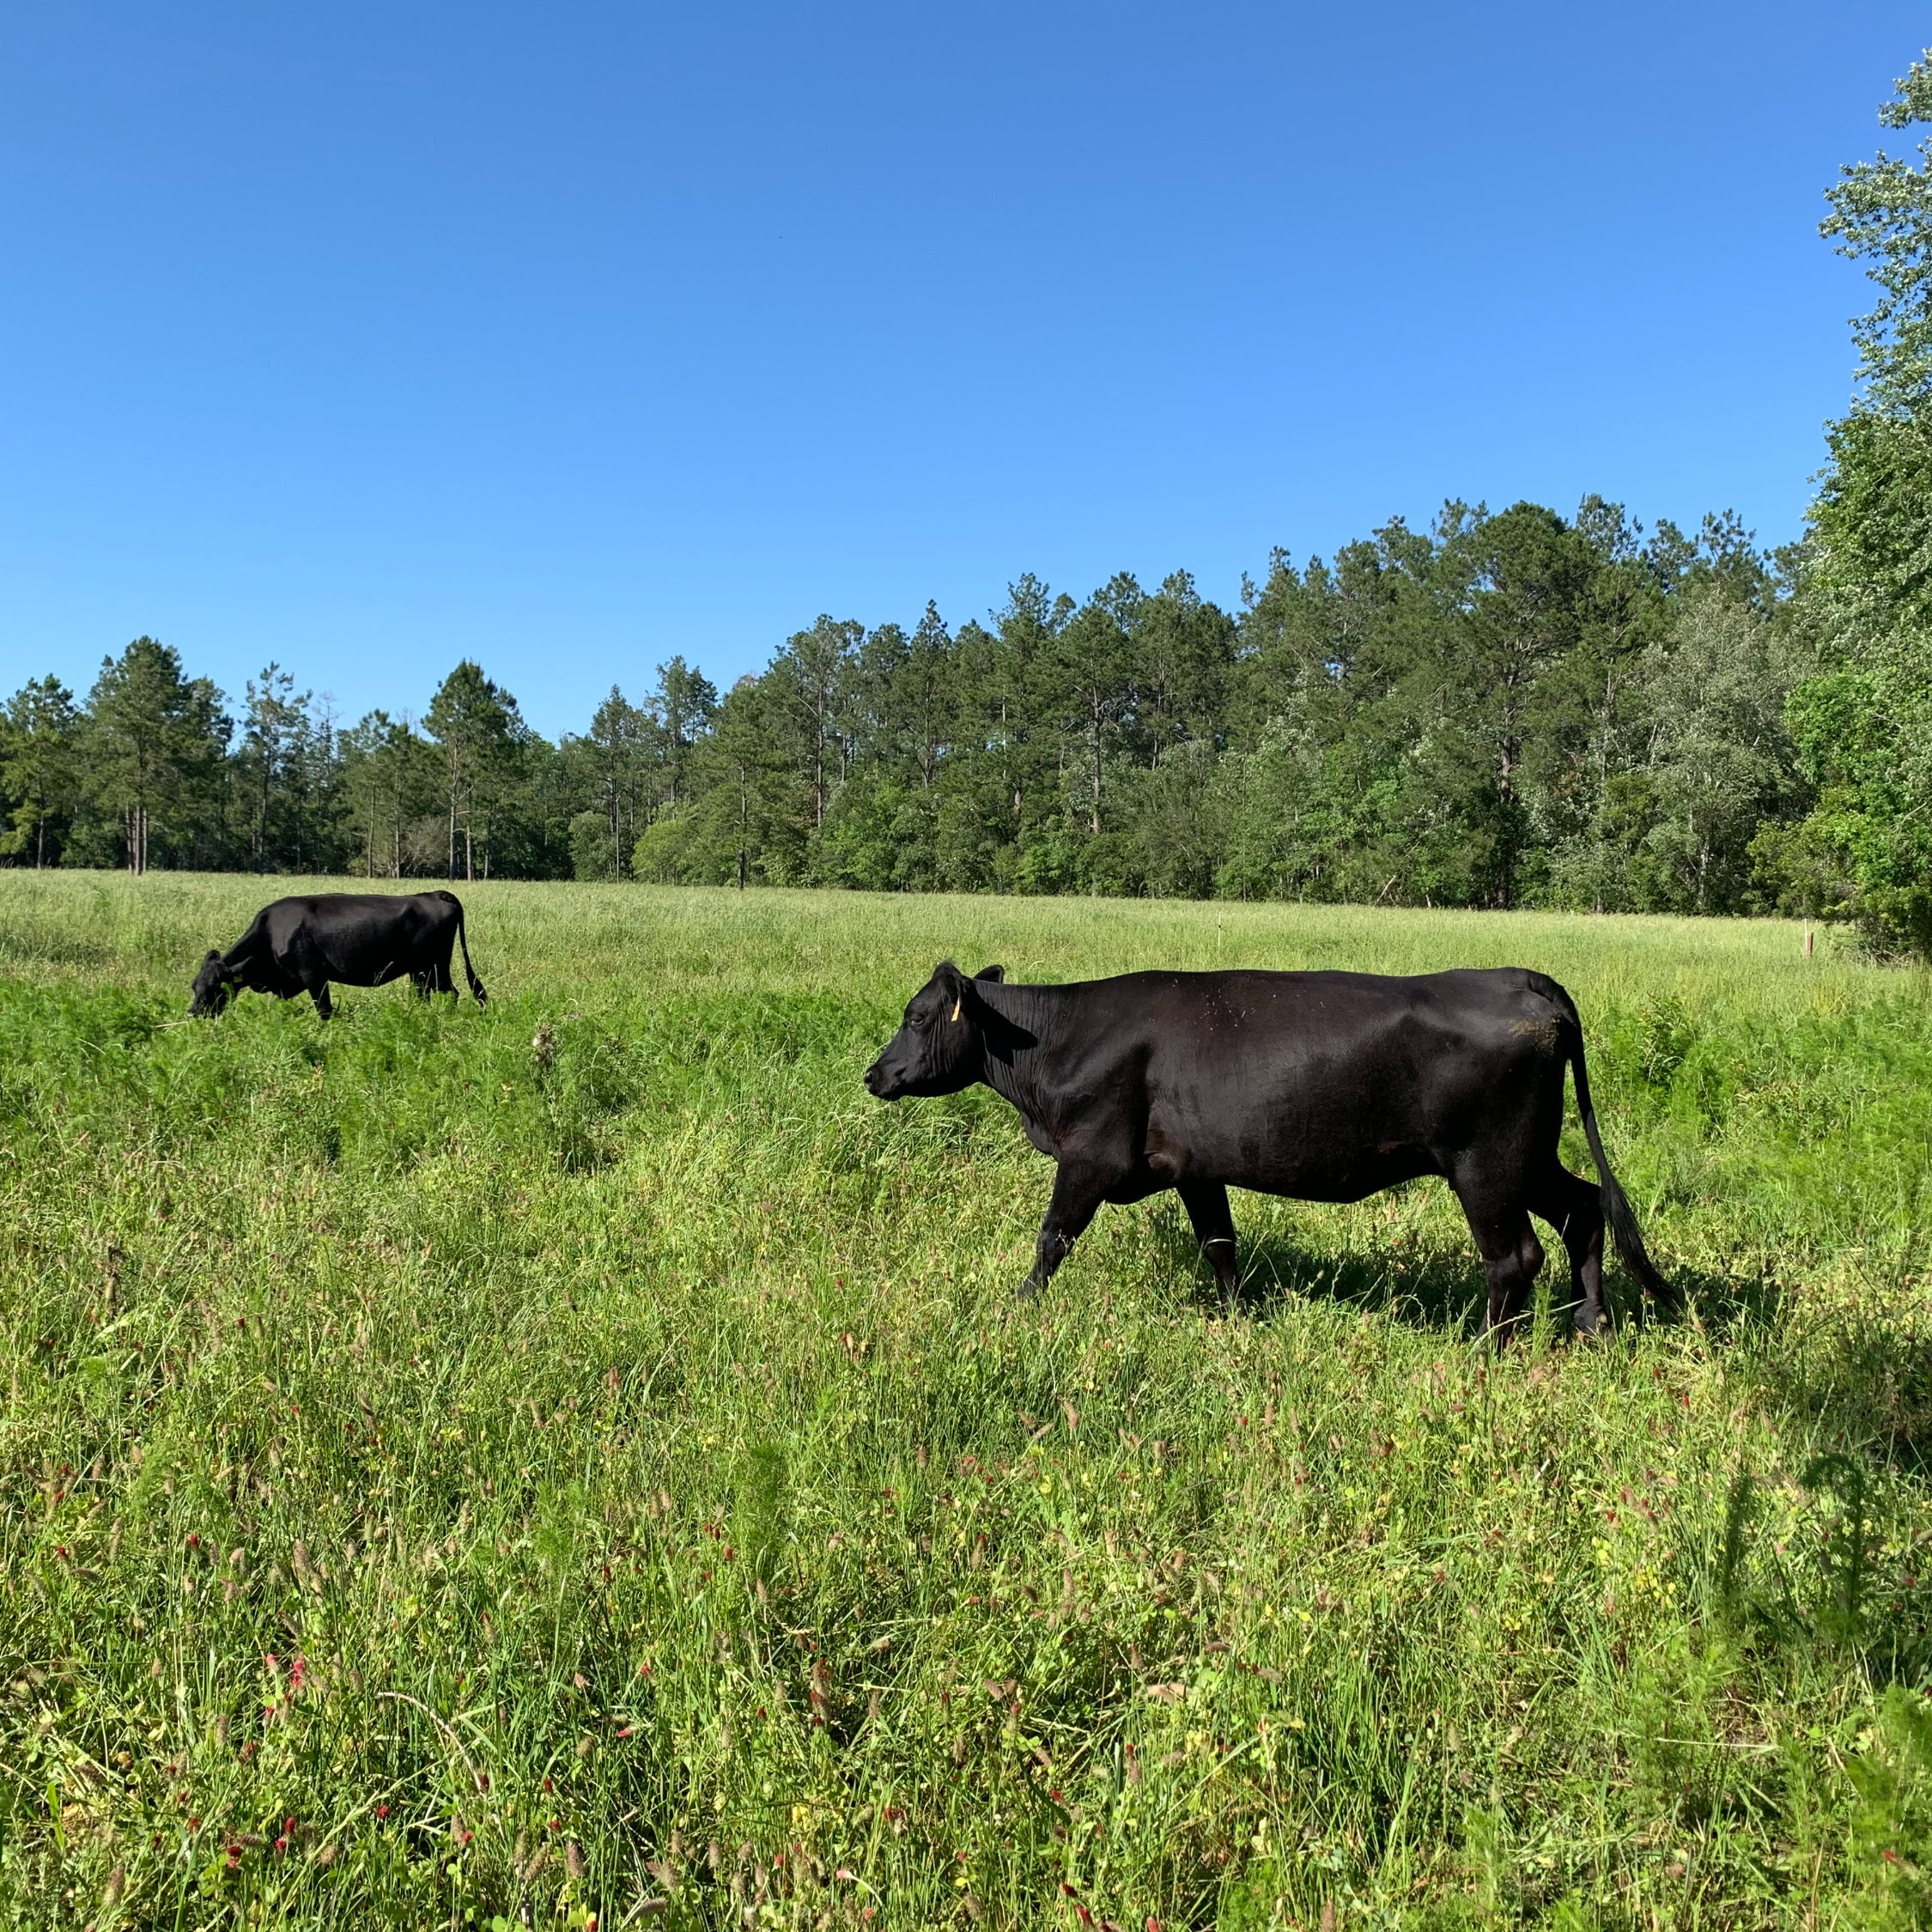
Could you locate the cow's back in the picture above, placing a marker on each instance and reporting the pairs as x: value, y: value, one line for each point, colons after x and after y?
x: 357, y: 934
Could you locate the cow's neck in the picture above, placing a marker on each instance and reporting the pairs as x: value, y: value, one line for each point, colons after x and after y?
x: 1012, y: 1068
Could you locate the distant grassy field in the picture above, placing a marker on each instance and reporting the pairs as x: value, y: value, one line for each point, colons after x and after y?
x: 585, y: 1458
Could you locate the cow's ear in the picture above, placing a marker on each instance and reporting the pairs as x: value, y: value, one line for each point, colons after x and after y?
x: 952, y: 983
x: 991, y: 973
x: 211, y: 954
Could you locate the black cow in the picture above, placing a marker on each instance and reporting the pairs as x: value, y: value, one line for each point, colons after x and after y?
x: 1320, y: 1086
x: 355, y: 939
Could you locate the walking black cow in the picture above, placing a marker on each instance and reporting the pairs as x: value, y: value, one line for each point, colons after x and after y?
x: 1320, y: 1086
x: 354, y: 939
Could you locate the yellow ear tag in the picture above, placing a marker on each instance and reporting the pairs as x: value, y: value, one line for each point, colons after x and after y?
x: 957, y: 1004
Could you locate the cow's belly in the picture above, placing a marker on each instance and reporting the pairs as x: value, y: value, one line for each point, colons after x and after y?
x: 1351, y: 1175
x: 1334, y: 1172
x: 361, y: 962
x: 1304, y: 1155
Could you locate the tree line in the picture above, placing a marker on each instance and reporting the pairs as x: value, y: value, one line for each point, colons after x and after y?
x: 1502, y: 709
x: 1507, y: 709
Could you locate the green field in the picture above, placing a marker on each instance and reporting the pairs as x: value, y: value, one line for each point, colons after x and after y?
x: 585, y: 1457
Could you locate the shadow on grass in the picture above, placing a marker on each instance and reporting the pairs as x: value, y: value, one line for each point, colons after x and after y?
x: 1430, y: 1289
x: 1435, y: 1289
x: 1860, y: 1373
x: 1862, y: 1384
x: 1727, y: 1306
x: 1442, y: 1289
x: 1857, y: 1380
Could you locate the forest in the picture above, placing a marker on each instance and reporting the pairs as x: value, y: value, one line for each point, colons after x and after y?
x: 1503, y: 710
x: 1509, y: 709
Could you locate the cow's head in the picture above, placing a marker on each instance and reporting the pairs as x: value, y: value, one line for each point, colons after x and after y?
x: 941, y: 1046
x: 214, y: 987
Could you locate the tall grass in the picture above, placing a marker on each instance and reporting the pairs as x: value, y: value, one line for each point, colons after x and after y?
x: 585, y: 1458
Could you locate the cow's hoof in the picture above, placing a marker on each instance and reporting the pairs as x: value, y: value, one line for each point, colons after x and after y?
x: 1028, y: 1290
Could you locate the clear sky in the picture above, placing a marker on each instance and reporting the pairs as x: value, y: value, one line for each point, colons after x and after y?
x: 570, y: 336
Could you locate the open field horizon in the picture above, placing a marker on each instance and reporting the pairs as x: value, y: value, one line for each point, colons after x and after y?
x: 513, y: 1465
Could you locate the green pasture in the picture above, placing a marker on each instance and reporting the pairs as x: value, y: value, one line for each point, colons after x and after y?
x: 585, y: 1458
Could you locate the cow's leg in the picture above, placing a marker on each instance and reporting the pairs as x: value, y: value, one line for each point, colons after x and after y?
x: 1574, y: 1209
x: 1511, y: 1257
x: 303, y: 970
x: 1078, y: 1193
x: 1206, y: 1202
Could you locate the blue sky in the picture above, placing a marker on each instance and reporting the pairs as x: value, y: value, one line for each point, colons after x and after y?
x: 569, y: 338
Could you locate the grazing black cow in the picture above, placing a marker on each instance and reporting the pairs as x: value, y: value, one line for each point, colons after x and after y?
x: 1320, y: 1086
x: 355, y: 939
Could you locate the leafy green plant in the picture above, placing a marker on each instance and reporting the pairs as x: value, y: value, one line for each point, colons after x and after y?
x: 1890, y: 1833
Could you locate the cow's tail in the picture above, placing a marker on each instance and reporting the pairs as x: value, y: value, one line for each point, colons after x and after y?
x: 470, y: 971
x: 1616, y: 1205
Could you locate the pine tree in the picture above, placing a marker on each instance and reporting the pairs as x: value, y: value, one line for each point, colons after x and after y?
x: 39, y: 735
x: 153, y: 750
